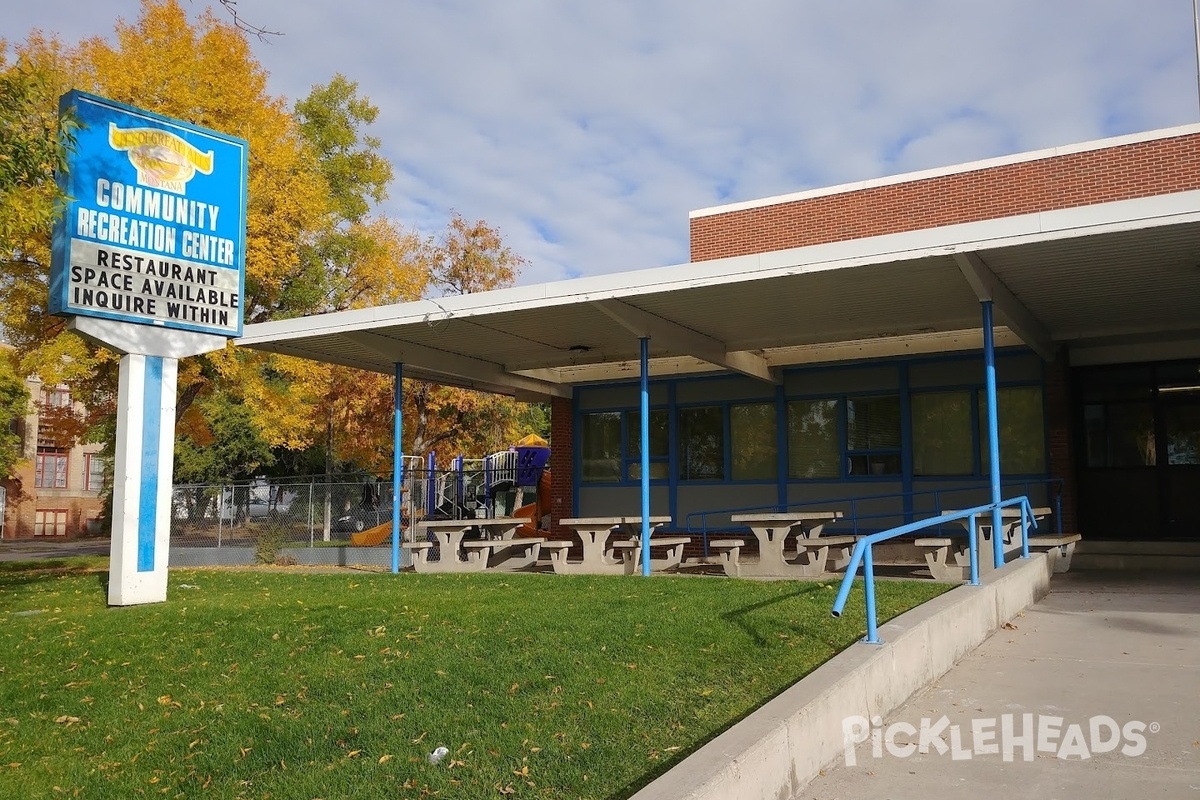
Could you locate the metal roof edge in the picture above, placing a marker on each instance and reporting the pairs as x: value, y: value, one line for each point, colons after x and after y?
x: 1041, y: 226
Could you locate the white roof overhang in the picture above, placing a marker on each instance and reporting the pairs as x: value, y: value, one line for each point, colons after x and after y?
x: 1109, y: 272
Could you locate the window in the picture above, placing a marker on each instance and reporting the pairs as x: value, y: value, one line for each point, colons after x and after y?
x: 813, y: 450
x: 1118, y: 435
x: 1022, y: 431
x: 943, y: 443
x: 753, y: 441
x: 660, y: 444
x: 93, y: 472
x: 50, y: 469
x: 601, y: 447
x: 1183, y: 433
x: 50, y: 522
x: 873, y: 435
x: 701, y: 444
x: 56, y: 398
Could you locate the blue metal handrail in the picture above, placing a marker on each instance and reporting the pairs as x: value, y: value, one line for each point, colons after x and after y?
x: 863, y: 553
x: 701, y: 527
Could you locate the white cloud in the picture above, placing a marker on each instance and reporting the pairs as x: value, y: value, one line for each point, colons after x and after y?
x: 586, y: 132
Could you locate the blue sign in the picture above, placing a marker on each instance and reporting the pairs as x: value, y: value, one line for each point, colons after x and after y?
x: 154, y: 232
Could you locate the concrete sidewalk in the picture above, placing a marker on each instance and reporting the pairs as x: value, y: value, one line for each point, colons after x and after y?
x: 30, y: 549
x: 1118, y: 645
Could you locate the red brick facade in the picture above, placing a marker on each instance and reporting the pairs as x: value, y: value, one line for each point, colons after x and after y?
x: 562, y: 465
x: 1058, y: 436
x: 1124, y: 172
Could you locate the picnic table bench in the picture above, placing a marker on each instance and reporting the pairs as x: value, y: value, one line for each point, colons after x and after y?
x: 599, y: 556
x: 498, y: 549
x: 948, y: 558
x: 1059, y: 548
x: 631, y: 553
x: 772, y: 531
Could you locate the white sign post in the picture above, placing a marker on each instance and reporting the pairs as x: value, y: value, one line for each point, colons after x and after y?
x: 149, y: 261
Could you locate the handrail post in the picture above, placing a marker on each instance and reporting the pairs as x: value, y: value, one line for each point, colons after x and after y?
x: 973, y: 550
x: 1026, y: 514
x: 869, y: 588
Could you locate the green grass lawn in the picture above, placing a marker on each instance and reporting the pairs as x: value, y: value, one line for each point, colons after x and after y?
x: 288, y: 685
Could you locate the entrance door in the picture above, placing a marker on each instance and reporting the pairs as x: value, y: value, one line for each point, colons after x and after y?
x: 1139, y: 463
x: 1179, y: 477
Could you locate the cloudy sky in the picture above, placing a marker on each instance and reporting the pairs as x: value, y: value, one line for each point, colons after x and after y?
x: 587, y: 131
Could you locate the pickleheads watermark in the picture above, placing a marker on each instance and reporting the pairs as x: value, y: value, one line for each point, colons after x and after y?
x: 1005, y: 736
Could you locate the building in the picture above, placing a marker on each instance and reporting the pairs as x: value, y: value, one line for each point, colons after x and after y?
x: 829, y: 345
x: 61, y: 480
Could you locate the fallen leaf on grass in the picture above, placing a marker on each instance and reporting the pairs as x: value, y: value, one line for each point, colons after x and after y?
x: 383, y: 759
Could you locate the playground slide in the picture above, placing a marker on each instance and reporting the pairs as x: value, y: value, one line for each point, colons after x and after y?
x: 534, y: 511
x: 372, y: 536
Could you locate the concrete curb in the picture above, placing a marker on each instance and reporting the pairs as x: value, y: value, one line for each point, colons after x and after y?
x: 185, y: 557
x: 777, y: 750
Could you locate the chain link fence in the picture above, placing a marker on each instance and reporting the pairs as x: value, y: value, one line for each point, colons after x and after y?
x: 314, y: 521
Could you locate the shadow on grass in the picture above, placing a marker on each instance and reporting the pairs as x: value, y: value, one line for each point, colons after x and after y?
x: 740, y: 616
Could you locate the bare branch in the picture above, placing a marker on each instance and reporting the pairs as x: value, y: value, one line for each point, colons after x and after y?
x: 241, y: 24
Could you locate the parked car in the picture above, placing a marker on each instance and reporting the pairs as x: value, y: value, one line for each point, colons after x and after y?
x: 257, y: 501
x: 363, y: 516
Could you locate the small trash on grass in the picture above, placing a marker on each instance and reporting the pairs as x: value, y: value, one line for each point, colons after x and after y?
x: 30, y: 613
x: 188, y: 586
x: 437, y: 755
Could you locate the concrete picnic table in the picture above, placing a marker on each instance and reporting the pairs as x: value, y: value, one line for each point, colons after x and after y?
x: 772, y: 531
x: 599, y: 558
x: 499, y: 548
x: 507, y: 551
x: 947, y: 557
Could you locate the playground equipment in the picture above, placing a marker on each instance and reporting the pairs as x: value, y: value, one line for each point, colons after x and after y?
x: 509, y: 483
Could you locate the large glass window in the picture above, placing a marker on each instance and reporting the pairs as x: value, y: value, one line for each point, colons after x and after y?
x: 701, y: 444
x: 1120, y: 435
x: 873, y: 435
x: 50, y: 469
x: 1022, y: 431
x: 943, y: 443
x: 50, y: 522
x: 660, y: 444
x: 600, y: 440
x: 813, y: 450
x: 753, y: 441
x: 1183, y: 433
x: 93, y: 473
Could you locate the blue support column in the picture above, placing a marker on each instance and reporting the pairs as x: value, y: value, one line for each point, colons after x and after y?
x: 397, y: 467
x: 645, y: 357
x: 993, y: 427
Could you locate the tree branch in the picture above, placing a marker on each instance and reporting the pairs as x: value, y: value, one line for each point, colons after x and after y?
x: 241, y: 24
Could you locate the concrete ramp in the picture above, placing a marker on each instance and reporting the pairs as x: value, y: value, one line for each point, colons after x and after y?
x: 1093, y: 692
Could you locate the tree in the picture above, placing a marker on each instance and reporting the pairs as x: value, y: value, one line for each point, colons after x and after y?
x: 472, y: 257
x: 14, y: 405
x: 156, y: 63
x: 467, y: 257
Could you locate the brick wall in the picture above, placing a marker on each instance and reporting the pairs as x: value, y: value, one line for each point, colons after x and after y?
x: 1059, y: 431
x: 1140, y: 169
x: 562, y: 465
